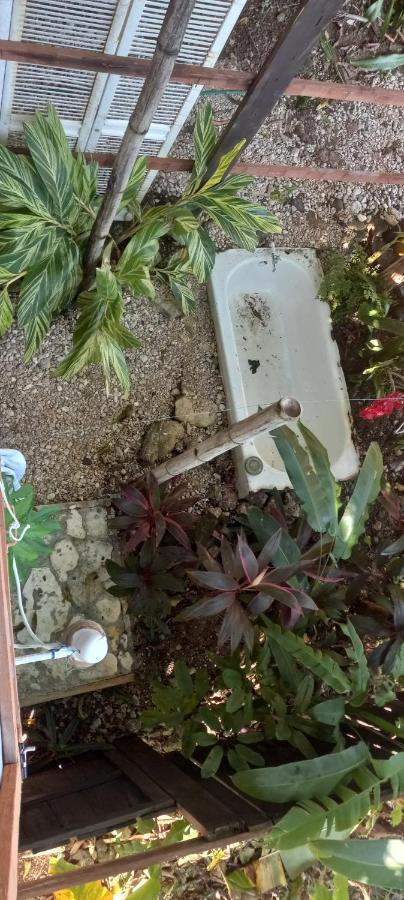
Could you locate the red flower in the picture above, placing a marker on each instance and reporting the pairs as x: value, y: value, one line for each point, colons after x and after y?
x: 385, y: 406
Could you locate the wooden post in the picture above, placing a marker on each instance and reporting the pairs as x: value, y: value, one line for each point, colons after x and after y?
x: 284, y: 60
x: 229, y: 438
x: 167, y: 48
x: 10, y: 726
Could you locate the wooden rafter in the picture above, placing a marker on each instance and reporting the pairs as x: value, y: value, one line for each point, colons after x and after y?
x: 281, y: 65
x: 258, y: 170
x: 220, y: 79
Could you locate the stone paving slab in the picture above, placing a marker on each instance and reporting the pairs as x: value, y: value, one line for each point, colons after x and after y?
x: 68, y: 585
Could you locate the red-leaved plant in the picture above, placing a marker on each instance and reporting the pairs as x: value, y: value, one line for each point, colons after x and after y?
x: 150, y: 510
x: 244, y: 585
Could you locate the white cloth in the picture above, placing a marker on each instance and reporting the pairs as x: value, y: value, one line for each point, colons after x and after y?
x: 13, y: 462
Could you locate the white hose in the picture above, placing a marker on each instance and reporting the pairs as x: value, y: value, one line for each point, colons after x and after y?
x: 13, y: 529
x: 60, y: 653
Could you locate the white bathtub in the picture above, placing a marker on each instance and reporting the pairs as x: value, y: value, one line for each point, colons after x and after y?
x: 274, y: 340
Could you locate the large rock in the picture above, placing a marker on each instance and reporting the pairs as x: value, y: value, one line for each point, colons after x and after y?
x: 185, y: 412
x: 44, y: 598
x: 160, y: 440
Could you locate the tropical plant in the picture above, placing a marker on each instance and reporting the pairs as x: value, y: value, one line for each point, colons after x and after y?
x: 151, y: 581
x: 245, y: 586
x: 284, y: 690
x: 352, y: 286
x: 389, y: 13
x: 48, y: 205
x: 310, y: 473
x: 150, y: 511
x: 335, y: 793
x: 385, y: 622
x: 54, y: 743
x: 27, y: 544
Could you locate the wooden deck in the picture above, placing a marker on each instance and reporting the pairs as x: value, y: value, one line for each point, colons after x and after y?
x: 10, y: 787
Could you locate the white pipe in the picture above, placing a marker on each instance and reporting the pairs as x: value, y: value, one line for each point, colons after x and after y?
x: 59, y: 653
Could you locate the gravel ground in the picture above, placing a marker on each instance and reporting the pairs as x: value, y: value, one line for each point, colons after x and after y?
x: 68, y: 430
x: 76, y: 448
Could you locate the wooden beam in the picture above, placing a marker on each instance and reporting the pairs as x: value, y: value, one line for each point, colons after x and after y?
x: 258, y: 170
x: 222, y: 79
x: 282, y: 63
x: 135, y: 862
x: 10, y: 734
x: 10, y: 800
x: 9, y: 708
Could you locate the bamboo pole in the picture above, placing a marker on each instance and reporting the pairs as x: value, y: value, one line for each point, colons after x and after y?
x: 167, y: 48
x: 266, y: 420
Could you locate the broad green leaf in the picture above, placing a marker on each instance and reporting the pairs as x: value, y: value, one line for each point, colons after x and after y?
x: 306, y: 481
x: 239, y: 880
x: 5, y: 275
x: 92, y: 891
x: 367, y: 487
x: 183, y: 678
x: 342, y: 813
x: 182, y: 294
x: 322, y: 469
x: 232, y: 678
x: 341, y: 889
x: 85, y: 179
x: 22, y: 244
x: 99, y: 336
x: 20, y: 186
x: 6, y: 312
x: 224, y: 163
x: 329, y: 712
x: 202, y: 252
x: 137, y: 276
x: 184, y: 223
x: 302, y: 780
x: 304, y: 693
x: 360, y: 673
x: 143, y: 246
x: 135, y: 182
x: 321, y: 893
x: 379, y: 63
x: 374, y: 11
x: 45, y: 286
x: 53, y: 160
x: 239, y: 219
x: 150, y: 890
x: 23, y: 501
x: 251, y: 756
x: 320, y: 664
x: 379, y: 863
x: 212, y: 762
x: 264, y: 527
x: 204, y: 139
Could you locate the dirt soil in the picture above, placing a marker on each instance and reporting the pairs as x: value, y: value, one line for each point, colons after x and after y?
x: 81, y: 444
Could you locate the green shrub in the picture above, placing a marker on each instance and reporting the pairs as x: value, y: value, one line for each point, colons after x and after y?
x: 48, y: 203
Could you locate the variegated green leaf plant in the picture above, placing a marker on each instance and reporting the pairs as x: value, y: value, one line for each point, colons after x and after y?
x: 48, y: 202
